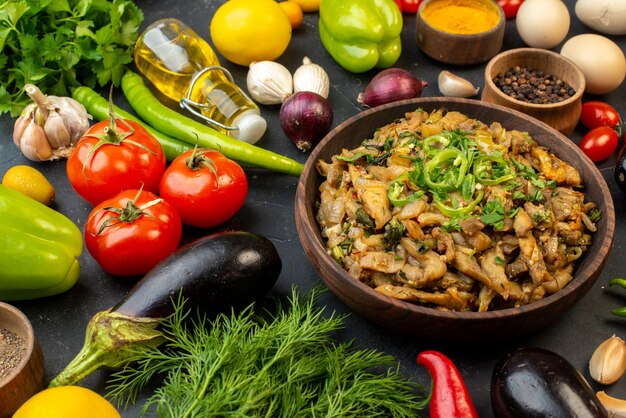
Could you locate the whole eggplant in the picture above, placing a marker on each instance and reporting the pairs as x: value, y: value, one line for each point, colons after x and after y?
x: 533, y: 382
x: 213, y: 273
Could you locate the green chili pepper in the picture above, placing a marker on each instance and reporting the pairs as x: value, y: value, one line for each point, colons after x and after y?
x: 174, y: 124
x: 438, y: 177
x: 618, y: 281
x: 361, y: 34
x: 454, y: 212
x: 492, y: 169
x: 40, y: 248
x: 395, y: 190
x: 619, y: 311
x: 98, y: 107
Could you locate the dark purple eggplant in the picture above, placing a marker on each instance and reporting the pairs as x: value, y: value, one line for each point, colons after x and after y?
x: 533, y: 382
x: 215, y: 273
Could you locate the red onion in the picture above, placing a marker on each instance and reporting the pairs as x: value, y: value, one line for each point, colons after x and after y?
x: 305, y: 118
x: 391, y: 85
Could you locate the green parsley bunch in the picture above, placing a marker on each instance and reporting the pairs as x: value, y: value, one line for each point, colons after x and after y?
x: 61, y: 44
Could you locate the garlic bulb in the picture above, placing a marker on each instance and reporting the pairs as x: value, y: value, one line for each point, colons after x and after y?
x: 49, y: 128
x: 269, y: 82
x: 311, y: 77
x: 608, y: 361
x: 452, y: 85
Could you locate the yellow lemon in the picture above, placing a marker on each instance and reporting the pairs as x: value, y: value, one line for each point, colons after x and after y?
x: 29, y: 181
x: 244, y: 31
x: 67, y: 402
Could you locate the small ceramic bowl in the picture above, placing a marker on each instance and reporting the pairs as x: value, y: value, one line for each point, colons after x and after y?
x: 460, y: 48
x: 562, y: 116
x: 26, y: 378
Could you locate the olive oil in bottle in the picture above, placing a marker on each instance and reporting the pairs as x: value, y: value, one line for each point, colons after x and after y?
x: 183, y: 67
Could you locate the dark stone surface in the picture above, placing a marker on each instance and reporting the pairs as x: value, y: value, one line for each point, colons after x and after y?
x: 60, y: 321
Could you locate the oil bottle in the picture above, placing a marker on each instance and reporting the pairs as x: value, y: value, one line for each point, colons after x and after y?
x: 184, y: 67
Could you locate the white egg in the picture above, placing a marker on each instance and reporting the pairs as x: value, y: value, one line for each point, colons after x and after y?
x: 605, y: 16
x: 542, y: 23
x: 600, y: 59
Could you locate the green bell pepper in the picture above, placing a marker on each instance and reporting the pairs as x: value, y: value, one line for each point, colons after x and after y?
x: 361, y: 34
x: 39, y: 248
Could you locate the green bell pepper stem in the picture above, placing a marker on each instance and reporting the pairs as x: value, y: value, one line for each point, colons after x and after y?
x: 451, y: 212
x: 39, y: 248
x: 395, y: 190
x: 361, y: 34
x: 484, y: 167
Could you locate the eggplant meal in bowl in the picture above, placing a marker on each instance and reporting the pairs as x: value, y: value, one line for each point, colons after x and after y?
x: 443, y: 210
x: 454, y: 219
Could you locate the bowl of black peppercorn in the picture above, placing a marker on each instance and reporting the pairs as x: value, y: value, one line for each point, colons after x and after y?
x: 541, y: 83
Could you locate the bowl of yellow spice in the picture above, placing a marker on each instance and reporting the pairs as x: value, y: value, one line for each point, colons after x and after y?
x: 460, y: 32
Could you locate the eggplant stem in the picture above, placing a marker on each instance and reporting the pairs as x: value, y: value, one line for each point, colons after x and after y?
x: 110, y: 340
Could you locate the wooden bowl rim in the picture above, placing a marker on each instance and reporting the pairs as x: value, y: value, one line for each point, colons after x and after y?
x: 29, y: 339
x: 537, y: 51
x: 582, y: 274
x: 469, y: 36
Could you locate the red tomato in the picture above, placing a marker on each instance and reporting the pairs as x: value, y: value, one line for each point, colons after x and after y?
x: 102, y: 165
x: 510, y: 7
x: 205, y: 187
x: 600, y: 143
x: 595, y: 114
x: 131, y: 232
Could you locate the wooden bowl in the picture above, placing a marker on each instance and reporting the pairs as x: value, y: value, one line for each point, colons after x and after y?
x: 429, y: 323
x: 459, y: 49
x: 26, y: 379
x: 562, y: 116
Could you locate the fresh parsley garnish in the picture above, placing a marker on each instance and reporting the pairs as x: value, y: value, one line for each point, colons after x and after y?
x: 61, y: 44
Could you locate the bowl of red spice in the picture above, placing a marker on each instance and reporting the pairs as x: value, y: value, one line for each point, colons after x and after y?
x: 21, y: 360
x: 538, y: 82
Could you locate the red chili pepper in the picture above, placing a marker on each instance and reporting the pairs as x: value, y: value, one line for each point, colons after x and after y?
x: 450, y: 397
x: 408, y: 6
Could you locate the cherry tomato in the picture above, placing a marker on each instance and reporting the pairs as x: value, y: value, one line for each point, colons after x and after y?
x: 510, y: 7
x: 595, y: 114
x: 600, y: 143
x: 205, y: 187
x: 131, y: 232
x: 115, y: 156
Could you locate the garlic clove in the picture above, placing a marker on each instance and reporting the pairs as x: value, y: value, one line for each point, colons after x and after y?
x: 55, y: 130
x: 21, y: 123
x: 608, y: 361
x: 451, y: 85
x: 615, y: 407
x: 269, y: 82
x: 74, y: 115
x: 311, y: 77
x: 34, y: 144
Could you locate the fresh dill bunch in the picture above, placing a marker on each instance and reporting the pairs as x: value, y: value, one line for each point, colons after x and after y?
x: 280, y: 364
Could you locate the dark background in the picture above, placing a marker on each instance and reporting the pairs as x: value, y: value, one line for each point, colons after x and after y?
x: 59, y: 321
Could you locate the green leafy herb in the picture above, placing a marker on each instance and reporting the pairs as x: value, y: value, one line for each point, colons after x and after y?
x: 364, y: 219
x: 280, y: 364
x: 499, y: 260
x: 61, y: 44
x: 494, y: 214
x: 595, y: 215
x: 394, y: 229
